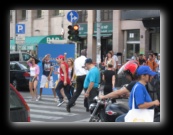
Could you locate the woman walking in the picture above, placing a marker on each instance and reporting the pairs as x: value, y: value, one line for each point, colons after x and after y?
x: 34, y: 77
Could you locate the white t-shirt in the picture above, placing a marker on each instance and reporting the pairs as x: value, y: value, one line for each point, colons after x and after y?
x: 115, y: 58
x: 32, y: 71
x: 78, y: 66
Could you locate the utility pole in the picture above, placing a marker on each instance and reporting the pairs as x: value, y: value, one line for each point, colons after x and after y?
x: 98, y: 42
x: 15, y: 21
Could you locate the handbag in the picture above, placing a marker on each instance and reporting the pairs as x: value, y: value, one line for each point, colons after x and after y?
x: 139, y: 115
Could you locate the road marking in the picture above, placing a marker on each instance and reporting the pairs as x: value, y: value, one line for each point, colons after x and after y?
x: 57, y: 108
x: 83, y: 120
x: 51, y: 112
x: 45, y: 117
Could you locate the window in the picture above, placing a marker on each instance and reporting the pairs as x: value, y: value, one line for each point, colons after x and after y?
x: 11, y: 15
x: 23, y: 14
x: 106, y: 15
x: 58, y: 12
x: 83, y: 16
x: 14, y: 57
x: 39, y: 13
x: 25, y: 56
x: 133, y: 35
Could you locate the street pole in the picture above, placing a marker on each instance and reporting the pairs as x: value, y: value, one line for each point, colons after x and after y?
x: 15, y: 21
x: 98, y: 43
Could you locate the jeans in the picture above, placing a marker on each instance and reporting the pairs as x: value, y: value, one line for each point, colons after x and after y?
x: 79, y: 88
x: 120, y: 118
x: 66, y: 91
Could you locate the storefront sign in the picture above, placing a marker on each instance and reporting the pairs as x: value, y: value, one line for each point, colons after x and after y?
x: 83, y: 29
x: 106, y: 27
x: 49, y: 39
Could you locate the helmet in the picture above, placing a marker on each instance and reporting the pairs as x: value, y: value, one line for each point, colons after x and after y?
x: 129, y: 68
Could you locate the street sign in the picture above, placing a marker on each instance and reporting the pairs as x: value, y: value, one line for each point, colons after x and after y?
x: 72, y: 16
x: 20, y: 28
x: 20, y: 39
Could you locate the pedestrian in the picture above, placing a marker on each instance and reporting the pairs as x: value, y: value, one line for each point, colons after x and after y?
x: 46, y: 77
x: 57, y: 81
x: 151, y: 62
x: 115, y: 58
x: 92, y: 81
x: 71, y: 75
x: 64, y: 80
x: 80, y: 73
x: 139, y: 93
x: 108, y: 78
x: 34, y: 77
x: 141, y: 60
x: 109, y: 59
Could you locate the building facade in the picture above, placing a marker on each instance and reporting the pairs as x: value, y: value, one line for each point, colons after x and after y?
x: 123, y: 31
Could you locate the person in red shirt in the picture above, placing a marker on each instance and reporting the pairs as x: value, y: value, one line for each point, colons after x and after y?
x: 64, y: 80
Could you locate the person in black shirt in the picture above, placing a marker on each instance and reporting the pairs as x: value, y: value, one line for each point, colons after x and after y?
x: 109, y: 80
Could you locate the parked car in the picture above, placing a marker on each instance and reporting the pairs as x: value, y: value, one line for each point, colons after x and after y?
x: 19, y: 109
x: 20, y: 56
x: 19, y: 75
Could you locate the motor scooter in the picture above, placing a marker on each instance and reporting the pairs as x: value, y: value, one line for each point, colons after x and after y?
x: 105, y: 110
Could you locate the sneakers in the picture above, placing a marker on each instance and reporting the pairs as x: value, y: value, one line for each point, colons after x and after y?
x: 55, y: 99
x: 60, y: 103
x: 39, y: 98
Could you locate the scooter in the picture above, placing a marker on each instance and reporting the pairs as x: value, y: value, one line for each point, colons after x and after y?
x: 105, y: 110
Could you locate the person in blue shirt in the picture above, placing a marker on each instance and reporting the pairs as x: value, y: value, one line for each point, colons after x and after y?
x: 91, y: 81
x: 141, y: 95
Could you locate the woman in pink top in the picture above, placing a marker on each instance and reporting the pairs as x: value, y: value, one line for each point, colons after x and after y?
x: 34, y: 77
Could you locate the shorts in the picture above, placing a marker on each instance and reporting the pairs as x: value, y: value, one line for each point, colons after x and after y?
x: 31, y: 79
x: 44, y: 80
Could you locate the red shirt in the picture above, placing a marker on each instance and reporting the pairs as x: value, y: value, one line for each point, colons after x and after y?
x: 62, y: 73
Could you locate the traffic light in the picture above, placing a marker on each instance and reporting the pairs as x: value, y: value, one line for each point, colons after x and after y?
x: 73, y: 32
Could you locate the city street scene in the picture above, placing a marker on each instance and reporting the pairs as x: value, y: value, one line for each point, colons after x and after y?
x: 84, y: 66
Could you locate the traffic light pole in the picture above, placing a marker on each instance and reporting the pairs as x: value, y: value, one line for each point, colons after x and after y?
x: 98, y: 42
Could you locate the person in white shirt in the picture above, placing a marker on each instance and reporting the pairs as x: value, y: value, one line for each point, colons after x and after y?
x: 115, y: 58
x: 80, y: 73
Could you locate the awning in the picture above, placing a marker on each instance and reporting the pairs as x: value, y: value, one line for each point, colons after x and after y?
x: 103, y: 35
x: 29, y: 44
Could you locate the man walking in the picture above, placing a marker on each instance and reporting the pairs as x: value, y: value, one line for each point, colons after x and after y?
x: 47, y: 76
x: 64, y: 80
x: 80, y: 73
x: 92, y: 81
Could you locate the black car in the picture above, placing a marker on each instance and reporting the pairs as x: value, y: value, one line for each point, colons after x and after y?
x: 19, y: 75
x: 19, y: 109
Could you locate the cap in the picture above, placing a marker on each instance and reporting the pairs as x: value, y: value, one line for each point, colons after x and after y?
x: 88, y: 60
x: 60, y: 57
x: 142, y: 70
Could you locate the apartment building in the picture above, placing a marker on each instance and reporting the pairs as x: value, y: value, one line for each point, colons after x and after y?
x: 124, y: 31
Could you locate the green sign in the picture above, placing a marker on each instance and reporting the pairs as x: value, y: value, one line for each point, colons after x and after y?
x: 106, y: 27
x: 49, y: 39
x: 83, y: 29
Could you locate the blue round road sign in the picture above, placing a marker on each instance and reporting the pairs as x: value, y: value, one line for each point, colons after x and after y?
x: 72, y: 16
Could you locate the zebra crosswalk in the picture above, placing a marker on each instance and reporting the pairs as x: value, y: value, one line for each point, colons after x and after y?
x: 46, y: 110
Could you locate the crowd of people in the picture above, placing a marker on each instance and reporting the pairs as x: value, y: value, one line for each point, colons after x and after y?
x: 88, y: 77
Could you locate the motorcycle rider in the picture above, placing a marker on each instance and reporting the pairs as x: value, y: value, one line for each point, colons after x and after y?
x: 129, y: 69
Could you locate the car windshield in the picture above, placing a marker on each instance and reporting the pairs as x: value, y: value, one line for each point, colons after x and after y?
x: 15, y: 101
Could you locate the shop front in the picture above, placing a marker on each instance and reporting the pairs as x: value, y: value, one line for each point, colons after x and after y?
x: 106, y: 37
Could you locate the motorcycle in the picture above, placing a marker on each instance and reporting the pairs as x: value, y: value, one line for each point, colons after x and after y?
x: 105, y: 110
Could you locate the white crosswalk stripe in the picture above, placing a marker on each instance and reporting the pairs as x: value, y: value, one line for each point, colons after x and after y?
x: 46, y: 110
